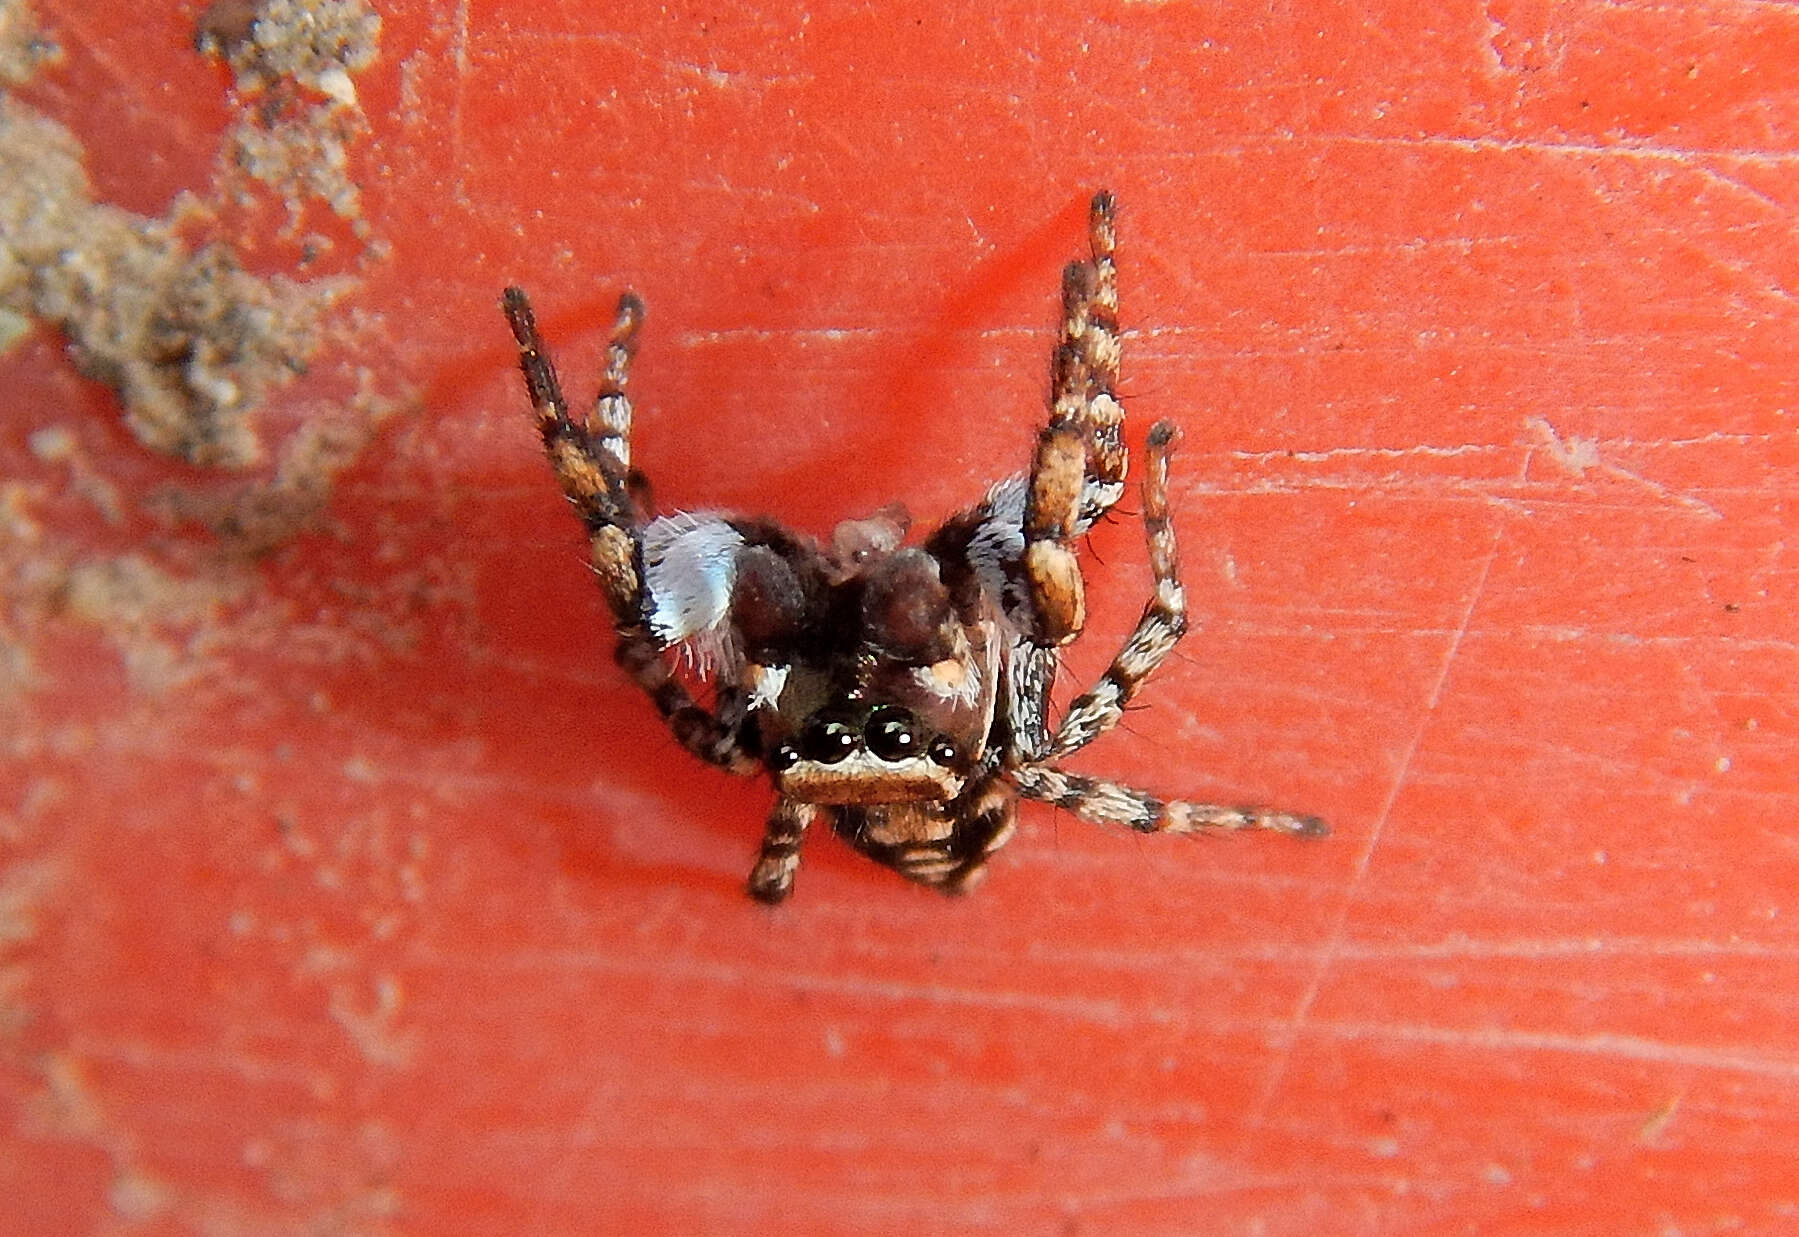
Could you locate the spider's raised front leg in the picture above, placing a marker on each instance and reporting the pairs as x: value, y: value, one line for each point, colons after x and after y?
x: 592, y: 459
x: 1080, y: 464
x: 1099, y: 709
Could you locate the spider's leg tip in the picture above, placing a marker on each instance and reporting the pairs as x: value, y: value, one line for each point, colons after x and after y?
x: 769, y: 893
x: 517, y: 308
x: 1163, y: 434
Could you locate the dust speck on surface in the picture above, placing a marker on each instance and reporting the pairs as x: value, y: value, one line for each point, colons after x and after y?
x: 189, y: 340
x: 24, y: 46
x: 192, y: 342
x: 312, y: 42
x: 256, y: 518
x: 138, y: 1197
x: 293, y: 60
x: 146, y: 613
x: 53, y: 444
x: 132, y: 591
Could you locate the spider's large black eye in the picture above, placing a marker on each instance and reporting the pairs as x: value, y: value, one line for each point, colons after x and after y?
x: 893, y: 733
x: 827, y: 740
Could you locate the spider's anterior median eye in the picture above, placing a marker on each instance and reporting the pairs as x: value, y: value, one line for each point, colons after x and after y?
x: 827, y: 740
x: 893, y: 733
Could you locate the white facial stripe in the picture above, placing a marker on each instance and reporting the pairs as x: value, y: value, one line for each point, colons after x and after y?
x: 765, y: 684
x: 862, y: 777
x: 689, y: 565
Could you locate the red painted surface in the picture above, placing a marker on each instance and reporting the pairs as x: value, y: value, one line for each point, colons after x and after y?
x: 360, y: 893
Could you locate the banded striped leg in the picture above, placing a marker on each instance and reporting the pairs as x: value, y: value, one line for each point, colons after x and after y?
x: 1080, y: 464
x: 1096, y: 711
x: 1164, y: 620
x: 771, y: 880
x: 1108, y: 803
x: 592, y: 460
x: 1085, y: 375
x: 710, y: 736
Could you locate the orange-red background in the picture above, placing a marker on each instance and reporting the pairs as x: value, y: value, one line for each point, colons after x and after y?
x: 394, y: 911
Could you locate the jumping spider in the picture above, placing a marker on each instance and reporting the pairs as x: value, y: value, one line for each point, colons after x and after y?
x: 899, y: 692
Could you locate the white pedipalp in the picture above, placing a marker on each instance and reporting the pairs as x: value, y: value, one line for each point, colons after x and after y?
x: 689, y: 566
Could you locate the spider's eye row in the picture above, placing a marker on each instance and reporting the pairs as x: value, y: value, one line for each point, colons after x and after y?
x: 827, y: 740
x: 892, y: 733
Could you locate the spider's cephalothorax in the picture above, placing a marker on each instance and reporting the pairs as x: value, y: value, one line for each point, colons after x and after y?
x: 899, y: 692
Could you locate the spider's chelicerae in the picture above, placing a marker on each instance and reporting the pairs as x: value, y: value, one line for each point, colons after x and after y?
x: 900, y: 693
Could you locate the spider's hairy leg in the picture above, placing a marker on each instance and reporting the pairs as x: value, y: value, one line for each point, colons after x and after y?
x: 771, y: 880
x: 592, y: 461
x: 1109, y: 803
x: 1095, y: 711
x: 534, y: 360
x: 1051, y: 523
x: 1080, y: 464
x: 611, y: 424
x: 1084, y: 378
x: 712, y: 736
x: 592, y: 466
x: 1163, y: 623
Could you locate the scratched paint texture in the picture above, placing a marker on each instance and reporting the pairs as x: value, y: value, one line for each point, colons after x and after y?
x: 348, y: 888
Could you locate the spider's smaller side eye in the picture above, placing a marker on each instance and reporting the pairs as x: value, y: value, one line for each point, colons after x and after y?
x: 942, y: 751
x: 827, y: 740
x: 783, y: 758
x: 893, y: 733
